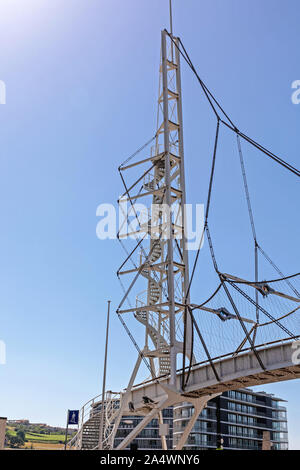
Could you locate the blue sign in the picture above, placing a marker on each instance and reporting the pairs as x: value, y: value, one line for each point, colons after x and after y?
x: 73, y: 416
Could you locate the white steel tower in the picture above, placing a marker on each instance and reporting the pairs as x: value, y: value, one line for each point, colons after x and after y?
x: 164, y: 264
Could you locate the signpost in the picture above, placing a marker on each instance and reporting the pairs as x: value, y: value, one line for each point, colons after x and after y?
x: 72, y: 418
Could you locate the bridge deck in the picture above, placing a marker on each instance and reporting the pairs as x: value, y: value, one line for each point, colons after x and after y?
x: 234, y: 372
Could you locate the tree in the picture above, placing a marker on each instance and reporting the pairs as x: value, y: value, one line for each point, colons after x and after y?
x: 14, y: 441
x: 21, y: 435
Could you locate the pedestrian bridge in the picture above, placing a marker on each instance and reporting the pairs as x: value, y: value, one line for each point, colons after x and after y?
x: 281, y: 362
x: 242, y: 370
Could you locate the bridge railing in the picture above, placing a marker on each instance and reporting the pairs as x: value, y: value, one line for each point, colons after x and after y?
x: 93, y: 409
x: 219, y: 358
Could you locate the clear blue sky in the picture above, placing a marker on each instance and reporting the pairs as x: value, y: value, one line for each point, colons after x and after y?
x: 82, y: 80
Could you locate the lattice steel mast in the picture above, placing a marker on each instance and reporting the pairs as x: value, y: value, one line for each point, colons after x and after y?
x: 165, y: 263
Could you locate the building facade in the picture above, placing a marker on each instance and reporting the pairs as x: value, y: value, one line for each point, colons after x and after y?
x: 240, y: 419
x: 149, y: 438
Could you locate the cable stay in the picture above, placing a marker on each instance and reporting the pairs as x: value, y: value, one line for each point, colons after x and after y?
x: 286, y: 279
x: 263, y: 286
x: 215, y: 105
x: 139, y: 150
x: 231, y: 314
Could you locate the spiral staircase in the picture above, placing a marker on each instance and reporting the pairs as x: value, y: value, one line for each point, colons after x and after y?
x: 87, y: 437
x: 158, y: 330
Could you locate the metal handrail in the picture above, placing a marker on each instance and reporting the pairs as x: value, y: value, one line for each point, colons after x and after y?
x: 218, y: 358
x: 88, y: 411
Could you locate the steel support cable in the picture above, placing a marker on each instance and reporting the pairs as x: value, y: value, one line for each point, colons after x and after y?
x: 256, y: 278
x: 250, y: 283
x: 143, y: 176
x: 129, y: 257
x: 137, y: 152
x: 130, y: 254
x: 195, y: 307
x: 127, y: 218
x: 234, y: 128
x: 205, y: 349
x: 178, y: 249
x: 207, y: 207
x: 272, y: 155
x: 260, y: 308
x: 211, y: 248
x: 132, y: 205
x: 199, y: 248
x: 123, y: 322
x: 280, y: 318
x: 247, y: 335
x: 206, y: 91
x: 198, y: 252
x: 246, y: 187
x: 231, y: 126
x: 130, y: 334
x: 146, y: 264
x: 183, y: 381
x: 187, y: 59
x: 250, y: 212
x: 286, y: 279
x: 267, y: 152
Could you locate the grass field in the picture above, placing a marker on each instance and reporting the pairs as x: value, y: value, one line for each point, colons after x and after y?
x: 43, y: 446
x: 41, y: 441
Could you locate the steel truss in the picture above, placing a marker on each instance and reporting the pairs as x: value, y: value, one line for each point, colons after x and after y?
x: 164, y: 263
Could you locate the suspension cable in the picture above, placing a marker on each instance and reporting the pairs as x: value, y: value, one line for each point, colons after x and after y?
x: 217, y: 108
x: 260, y: 308
x: 211, y: 99
x: 250, y: 212
x: 262, y: 149
x: 207, y: 207
x: 246, y: 187
x: 184, y: 383
x: 137, y: 152
x: 286, y: 279
x: 131, y: 335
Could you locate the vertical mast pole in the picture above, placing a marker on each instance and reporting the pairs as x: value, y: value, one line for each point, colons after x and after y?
x: 256, y: 291
x: 187, y: 320
x: 67, y: 428
x: 171, y: 29
x: 100, y: 445
x: 171, y: 20
x: 182, y: 171
x: 169, y: 234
